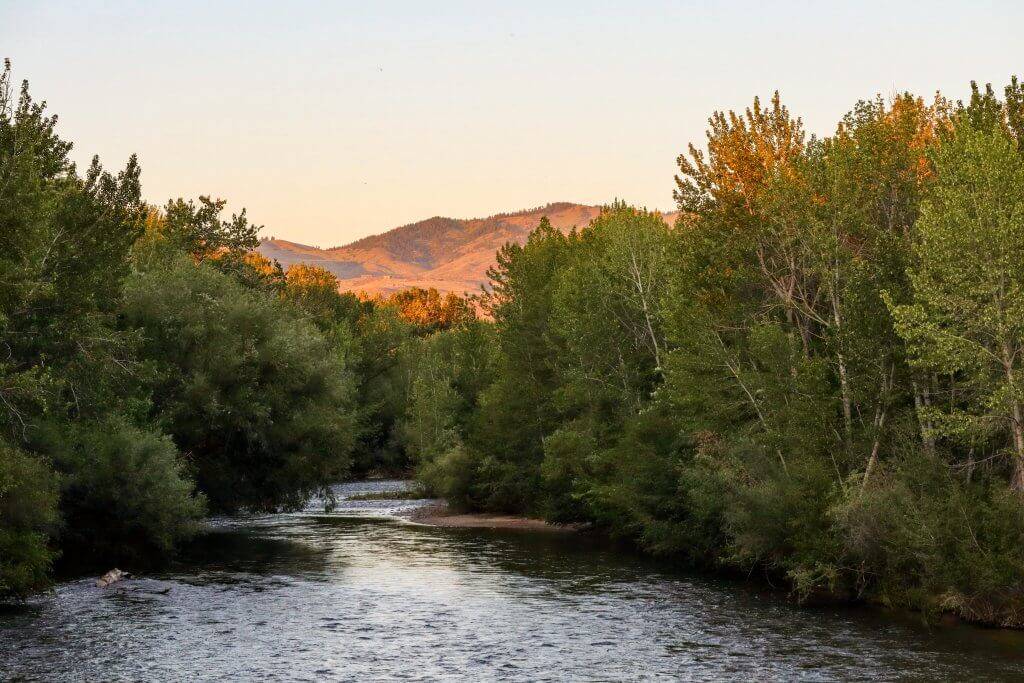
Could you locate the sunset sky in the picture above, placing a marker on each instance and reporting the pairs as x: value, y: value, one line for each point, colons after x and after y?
x: 331, y: 121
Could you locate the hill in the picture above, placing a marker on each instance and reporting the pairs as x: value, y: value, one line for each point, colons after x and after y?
x: 450, y: 254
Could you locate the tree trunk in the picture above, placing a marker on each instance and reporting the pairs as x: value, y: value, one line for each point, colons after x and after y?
x: 750, y: 397
x: 879, y: 423
x: 1016, y: 425
x: 654, y: 337
x: 1017, y: 482
x: 924, y: 425
x: 844, y: 383
x: 638, y: 282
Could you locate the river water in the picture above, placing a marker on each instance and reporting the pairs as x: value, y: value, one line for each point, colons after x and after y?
x: 357, y: 594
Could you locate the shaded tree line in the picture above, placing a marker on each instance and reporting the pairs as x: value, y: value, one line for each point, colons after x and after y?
x: 154, y: 369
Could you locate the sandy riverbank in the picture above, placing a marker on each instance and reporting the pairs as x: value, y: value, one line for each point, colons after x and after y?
x: 439, y: 514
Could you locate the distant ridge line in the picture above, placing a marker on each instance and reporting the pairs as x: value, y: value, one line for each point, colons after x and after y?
x: 449, y: 254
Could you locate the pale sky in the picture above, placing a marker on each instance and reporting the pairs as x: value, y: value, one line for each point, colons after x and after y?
x: 335, y: 120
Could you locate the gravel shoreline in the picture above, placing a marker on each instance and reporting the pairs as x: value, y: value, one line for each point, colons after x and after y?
x: 440, y: 515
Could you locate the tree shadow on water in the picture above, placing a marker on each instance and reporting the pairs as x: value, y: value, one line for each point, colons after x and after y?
x: 223, y: 553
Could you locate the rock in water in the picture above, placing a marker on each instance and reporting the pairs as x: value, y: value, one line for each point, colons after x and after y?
x: 113, y: 576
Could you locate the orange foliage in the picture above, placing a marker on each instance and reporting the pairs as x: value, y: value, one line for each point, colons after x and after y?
x: 428, y: 310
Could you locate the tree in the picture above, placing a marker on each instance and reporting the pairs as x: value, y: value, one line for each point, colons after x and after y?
x: 744, y: 151
x: 252, y: 393
x: 448, y: 371
x: 966, y: 317
x: 198, y: 229
x: 608, y: 304
x: 64, y: 244
x: 518, y: 410
x: 125, y: 496
x: 429, y: 311
x: 65, y: 241
x: 315, y: 291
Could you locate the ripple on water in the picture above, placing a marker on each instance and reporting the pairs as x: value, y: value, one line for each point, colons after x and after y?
x: 351, y: 594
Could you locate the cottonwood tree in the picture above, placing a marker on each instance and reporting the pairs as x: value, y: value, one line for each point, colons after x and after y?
x: 608, y: 305
x: 965, y: 321
x: 863, y: 190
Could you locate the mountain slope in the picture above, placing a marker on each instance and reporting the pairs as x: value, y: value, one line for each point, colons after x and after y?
x: 450, y: 254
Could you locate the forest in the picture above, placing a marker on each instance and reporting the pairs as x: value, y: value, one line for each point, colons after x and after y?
x: 814, y: 376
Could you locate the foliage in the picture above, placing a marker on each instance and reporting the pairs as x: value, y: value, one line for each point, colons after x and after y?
x: 428, y: 311
x: 28, y: 515
x: 922, y: 537
x: 315, y: 291
x: 65, y: 241
x: 382, y: 341
x: 814, y: 374
x: 151, y: 361
x: 965, y: 321
x: 124, y: 493
x: 255, y: 397
x: 198, y: 229
x: 447, y: 373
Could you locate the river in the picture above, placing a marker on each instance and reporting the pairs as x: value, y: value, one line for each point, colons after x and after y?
x: 357, y: 594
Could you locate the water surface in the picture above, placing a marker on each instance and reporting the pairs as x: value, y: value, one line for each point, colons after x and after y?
x: 357, y: 594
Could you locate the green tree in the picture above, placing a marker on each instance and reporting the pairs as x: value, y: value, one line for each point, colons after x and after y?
x: 608, y: 304
x: 448, y: 371
x: 124, y: 494
x: 517, y: 411
x: 966, y: 318
x: 65, y: 241
x: 198, y: 230
x: 251, y: 392
x: 608, y: 310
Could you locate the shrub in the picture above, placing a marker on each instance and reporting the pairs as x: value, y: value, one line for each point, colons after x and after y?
x: 28, y: 515
x: 125, y: 495
x: 924, y: 539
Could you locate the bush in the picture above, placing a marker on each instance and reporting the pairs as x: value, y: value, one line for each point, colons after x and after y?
x: 564, y: 471
x: 662, y: 491
x: 928, y: 540
x: 453, y: 475
x: 28, y: 514
x: 125, y: 495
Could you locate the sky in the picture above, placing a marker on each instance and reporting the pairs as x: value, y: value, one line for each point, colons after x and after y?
x: 330, y: 121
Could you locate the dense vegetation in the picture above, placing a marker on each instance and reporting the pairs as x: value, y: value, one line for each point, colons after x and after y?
x: 152, y: 368
x: 815, y: 374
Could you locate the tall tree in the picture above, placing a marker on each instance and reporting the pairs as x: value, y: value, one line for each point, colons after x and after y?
x: 198, y: 229
x: 966, y: 317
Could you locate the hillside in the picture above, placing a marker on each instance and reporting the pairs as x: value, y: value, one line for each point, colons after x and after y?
x: 450, y: 254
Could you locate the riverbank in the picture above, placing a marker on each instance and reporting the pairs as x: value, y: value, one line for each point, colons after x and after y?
x: 441, y: 515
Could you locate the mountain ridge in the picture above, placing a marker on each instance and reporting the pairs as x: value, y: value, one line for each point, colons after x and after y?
x: 449, y: 254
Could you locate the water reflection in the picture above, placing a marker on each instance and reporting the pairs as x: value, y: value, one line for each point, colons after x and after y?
x: 355, y: 594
